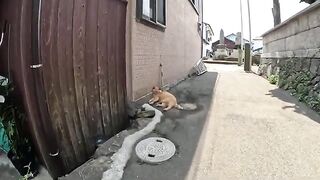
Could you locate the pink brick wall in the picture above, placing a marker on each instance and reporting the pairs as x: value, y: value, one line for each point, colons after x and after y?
x: 178, y: 48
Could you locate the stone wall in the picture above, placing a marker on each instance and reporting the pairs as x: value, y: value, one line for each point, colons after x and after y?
x: 299, y: 76
x: 291, y: 51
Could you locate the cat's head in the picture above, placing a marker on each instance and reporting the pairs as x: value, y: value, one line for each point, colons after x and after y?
x: 156, y: 90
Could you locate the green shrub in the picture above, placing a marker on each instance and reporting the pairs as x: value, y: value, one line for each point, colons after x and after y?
x: 298, y: 84
x: 273, y: 79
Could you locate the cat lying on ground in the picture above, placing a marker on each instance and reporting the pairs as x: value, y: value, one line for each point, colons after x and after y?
x: 164, y: 99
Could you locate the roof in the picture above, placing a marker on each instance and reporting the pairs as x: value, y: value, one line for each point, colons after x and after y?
x: 258, y: 49
x: 232, y: 37
x: 229, y: 44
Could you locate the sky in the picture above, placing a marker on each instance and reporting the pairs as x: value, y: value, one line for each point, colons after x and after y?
x: 225, y: 14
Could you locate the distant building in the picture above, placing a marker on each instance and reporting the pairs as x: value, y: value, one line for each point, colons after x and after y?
x: 230, y: 44
x: 207, y: 40
x: 257, y: 45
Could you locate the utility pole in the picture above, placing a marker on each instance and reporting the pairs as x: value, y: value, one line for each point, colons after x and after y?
x: 250, y: 38
x: 276, y: 12
x: 241, y: 40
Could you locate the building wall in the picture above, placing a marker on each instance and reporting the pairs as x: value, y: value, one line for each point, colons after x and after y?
x: 207, y: 42
x: 206, y: 47
x: 298, y: 36
x: 177, y: 47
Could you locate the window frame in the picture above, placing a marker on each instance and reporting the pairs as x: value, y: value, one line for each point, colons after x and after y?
x: 147, y: 20
x: 195, y: 6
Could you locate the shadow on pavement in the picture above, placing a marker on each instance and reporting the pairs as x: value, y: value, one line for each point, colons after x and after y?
x: 298, y: 107
x: 182, y: 127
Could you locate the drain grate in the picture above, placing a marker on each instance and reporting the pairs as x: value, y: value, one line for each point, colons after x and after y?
x: 155, y: 150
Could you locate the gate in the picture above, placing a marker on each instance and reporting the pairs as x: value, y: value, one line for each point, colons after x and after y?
x: 70, y: 66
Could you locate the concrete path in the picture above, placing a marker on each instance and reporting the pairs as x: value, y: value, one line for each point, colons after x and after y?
x: 256, y: 131
x: 183, y: 128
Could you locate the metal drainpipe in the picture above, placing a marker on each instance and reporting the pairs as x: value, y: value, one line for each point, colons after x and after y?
x: 201, y: 13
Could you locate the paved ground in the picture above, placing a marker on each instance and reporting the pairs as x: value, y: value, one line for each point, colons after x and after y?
x: 182, y: 127
x: 249, y: 130
x: 256, y: 131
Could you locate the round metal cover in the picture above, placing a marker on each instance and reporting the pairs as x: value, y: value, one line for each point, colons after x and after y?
x: 155, y: 150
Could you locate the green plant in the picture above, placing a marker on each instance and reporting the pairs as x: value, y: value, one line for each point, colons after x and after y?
x: 273, y: 79
x: 12, y: 118
x: 29, y: 173
x: 300, y: 84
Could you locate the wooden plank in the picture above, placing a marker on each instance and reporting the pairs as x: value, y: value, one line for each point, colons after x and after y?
x: 38, y: 115
x: 79, y: 18
x: 91, y: 72
x: 103, y: 67
x: 120, y: 65
x: 52, y: 79
x: 111, y: 58
x: 66, y: 80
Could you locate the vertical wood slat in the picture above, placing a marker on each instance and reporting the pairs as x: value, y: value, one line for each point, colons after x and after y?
x: 91, y: 70
x: 103, y: 17
x: 65, y: 19
x: 111, y: 63
x: 52, y: 77
x: 79, y: 17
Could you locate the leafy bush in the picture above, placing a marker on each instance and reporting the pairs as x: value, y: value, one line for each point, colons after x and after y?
x: 273, y: 79
x: 300, y: 84
x: 12, y: 118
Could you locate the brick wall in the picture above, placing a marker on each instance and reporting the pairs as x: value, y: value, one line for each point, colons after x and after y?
x: 177, y: 48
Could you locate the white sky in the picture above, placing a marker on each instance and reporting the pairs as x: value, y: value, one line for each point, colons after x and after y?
x: 225, y: 14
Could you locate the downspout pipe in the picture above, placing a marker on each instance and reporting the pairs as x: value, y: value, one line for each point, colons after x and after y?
x: 201, y: 13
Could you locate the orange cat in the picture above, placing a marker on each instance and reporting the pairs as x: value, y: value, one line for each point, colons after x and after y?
x: 164, y: 99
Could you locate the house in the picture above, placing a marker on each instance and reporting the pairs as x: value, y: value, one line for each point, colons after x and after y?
x: 207, y: 40
x: 163, y: 36
x: 75, y: 64
x: 257, y: 45
x: 229, y: 40
x: 230, y: 44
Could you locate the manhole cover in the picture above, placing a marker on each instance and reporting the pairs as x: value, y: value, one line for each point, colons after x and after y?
x: 155, y: 150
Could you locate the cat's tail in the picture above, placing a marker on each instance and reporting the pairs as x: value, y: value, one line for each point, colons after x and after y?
x: 178, y: 107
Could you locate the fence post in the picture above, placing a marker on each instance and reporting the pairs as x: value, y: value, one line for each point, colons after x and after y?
x: 247, y: 58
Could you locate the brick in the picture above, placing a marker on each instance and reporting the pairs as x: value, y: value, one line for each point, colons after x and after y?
x: 177, y: 48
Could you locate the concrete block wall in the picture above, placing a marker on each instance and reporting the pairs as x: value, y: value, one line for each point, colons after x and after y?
x: 292, y: 51
x: 299, y: 33
x: 177, y: 48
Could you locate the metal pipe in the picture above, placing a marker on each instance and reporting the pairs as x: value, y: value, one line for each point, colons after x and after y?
x: 201, y: 13
x: 241, y: 14
x: 250, y: 39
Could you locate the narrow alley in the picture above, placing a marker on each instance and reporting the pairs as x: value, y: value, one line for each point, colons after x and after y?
x: 159, y: 90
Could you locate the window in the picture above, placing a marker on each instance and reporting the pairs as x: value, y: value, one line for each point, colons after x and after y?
x: 153, y: 11
x: 196, y: 4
